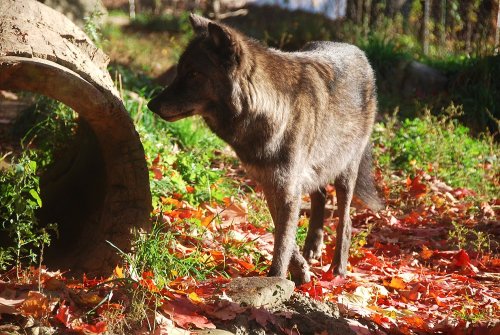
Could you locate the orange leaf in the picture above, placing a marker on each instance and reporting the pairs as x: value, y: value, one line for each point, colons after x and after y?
x: 426, y: 253
x: 119, y: 272
x: 415, y: 321
x: 207, y: 220
x: 397, y: 283
x: 98, y: 328
x: 36, y: 305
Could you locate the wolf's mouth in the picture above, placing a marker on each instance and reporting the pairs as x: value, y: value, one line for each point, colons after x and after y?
x: 178, y: 116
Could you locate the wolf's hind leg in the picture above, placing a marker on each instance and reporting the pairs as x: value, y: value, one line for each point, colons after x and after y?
x: 314, y: 239
x: 344, y: 187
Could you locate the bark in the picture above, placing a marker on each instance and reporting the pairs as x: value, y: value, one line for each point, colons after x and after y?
x: 497, y: 31
x: 443, y: 24
x: 44, y: 52
x: 427, y: 12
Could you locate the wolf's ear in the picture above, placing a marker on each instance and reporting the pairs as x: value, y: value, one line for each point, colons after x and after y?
x: 226, y: 42
x: 199, y: 23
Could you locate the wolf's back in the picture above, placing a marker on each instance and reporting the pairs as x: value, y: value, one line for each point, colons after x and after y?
x: 357, y: 78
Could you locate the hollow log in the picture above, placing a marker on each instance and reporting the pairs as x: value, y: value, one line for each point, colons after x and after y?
x: 99, y: 191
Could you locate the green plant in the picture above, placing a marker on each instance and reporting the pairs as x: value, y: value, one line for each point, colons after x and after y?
x: 258, y: 212
x: 51, y: 125
x: 482, y: 241
x: 443, y: 147
x: 359, y: 240
x: 156, y: 252
x: 469, y: 238
x: 471, y: 313
x: 91, y: 27
x: 458, y: 235
x: 20, y: 199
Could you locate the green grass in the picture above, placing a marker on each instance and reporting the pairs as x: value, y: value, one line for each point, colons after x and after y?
x: 156, y: 252
x: 441, y: 146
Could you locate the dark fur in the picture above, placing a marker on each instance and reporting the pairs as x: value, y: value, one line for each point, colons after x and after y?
x: 296, y: 120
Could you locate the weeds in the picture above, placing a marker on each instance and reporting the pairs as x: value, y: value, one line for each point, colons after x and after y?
x: 20, y: 199
x: 441, y: 146
x: 360, y: 240
x: 156, y: 251
x: 468, y: 238
x: 258, y: 212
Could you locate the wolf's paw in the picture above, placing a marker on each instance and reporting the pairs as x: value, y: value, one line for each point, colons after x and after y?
x: 312, y: 250
x: 274, y: 272
x: 300, y: 275
x: 299, y: 269
x: 302, y: 278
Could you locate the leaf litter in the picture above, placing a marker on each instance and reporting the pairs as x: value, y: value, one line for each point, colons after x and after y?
x: 411, y: 274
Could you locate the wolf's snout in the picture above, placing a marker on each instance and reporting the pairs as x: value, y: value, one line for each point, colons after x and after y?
x: 154, y: 105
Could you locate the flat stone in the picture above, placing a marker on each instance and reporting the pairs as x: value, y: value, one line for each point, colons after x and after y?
x: 260, y: 291
x: 211, y: 332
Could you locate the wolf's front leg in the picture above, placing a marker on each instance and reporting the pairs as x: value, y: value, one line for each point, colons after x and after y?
x: 284, y: 207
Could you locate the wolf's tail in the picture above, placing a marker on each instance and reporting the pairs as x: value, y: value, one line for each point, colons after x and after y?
x: 365, y: 184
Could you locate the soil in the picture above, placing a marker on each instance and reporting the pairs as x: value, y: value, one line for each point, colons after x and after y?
x: 301, y: 314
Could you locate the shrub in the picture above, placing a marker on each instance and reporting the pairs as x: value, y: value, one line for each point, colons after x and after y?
x: 441, y: 145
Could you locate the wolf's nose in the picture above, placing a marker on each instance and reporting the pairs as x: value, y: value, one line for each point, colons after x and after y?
x: 153, y: 105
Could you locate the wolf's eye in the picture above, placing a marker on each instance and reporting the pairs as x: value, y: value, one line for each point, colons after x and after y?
x: 194, y: 74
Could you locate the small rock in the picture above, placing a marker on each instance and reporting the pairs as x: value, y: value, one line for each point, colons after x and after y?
x: 260, y: 291
x: 211, y: 332
x: 423, y: 80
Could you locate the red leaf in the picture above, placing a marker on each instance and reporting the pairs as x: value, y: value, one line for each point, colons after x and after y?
x: 461, y: 258
x: 184, y: 313
x: 417, y: 189
x: 156, y: 160
x: 412, y: 218
x: 313, y: 289
x: 262, y: 316
x: 63, y: 314
x: 157, y: 173
x: 98, y: 328
x: 224, y: 310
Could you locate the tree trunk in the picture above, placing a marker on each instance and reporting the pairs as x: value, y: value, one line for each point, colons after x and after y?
x: 100, y: 191
x: 442, y: 28
x: 367, y: 16
x: 427, y: 14
x: 497, y: 32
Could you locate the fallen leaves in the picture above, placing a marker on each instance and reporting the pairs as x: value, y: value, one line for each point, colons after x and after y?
x: 185, y: 313
x: 405, y: 277
x: 35, y: 305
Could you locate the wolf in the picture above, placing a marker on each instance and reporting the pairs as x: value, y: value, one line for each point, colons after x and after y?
x: 297, y: 121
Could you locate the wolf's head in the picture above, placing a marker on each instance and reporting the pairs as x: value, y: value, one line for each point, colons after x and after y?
x: 203, y: 85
